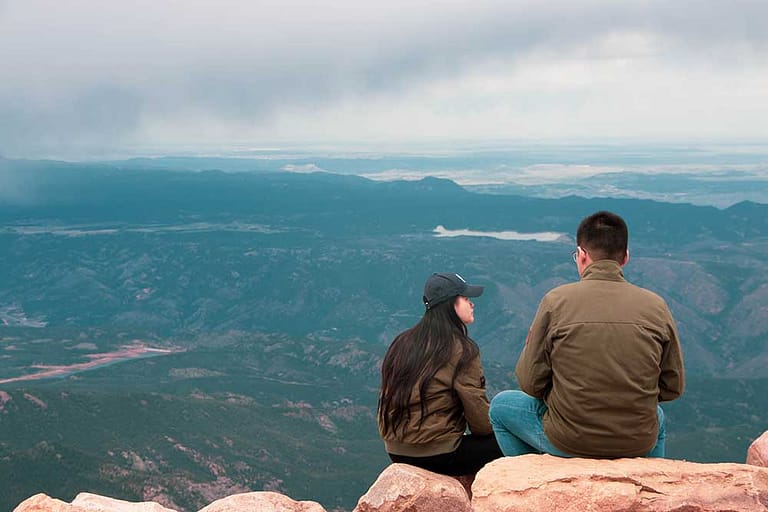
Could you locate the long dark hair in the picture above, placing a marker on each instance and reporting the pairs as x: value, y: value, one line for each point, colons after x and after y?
x: 415, y: 356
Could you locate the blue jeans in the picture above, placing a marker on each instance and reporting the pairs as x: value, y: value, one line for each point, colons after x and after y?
x: 517, y: 422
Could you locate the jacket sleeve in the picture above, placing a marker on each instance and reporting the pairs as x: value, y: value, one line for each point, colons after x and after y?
x: 534, y: 368
x: 470, y: 387
x: 672, y: 376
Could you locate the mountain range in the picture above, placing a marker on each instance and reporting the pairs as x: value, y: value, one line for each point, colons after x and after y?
x: 180, y: 335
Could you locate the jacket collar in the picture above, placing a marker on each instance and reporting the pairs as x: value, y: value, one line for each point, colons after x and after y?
x: 603, y: 270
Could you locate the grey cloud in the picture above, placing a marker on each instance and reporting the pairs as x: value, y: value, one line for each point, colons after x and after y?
x: 87, y: 117
x: 106, y: 73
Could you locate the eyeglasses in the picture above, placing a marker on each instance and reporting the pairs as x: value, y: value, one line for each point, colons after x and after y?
x: 575, y: 254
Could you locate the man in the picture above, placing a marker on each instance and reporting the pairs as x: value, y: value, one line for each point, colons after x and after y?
x: 600, y: 354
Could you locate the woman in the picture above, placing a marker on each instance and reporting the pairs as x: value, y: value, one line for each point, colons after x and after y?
x: 432, y: 386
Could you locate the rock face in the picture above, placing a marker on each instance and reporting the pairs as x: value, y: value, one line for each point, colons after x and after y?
x: 263, y: 502
x: 401, y: 487
x: 757, y: 455
x: 544, y: 482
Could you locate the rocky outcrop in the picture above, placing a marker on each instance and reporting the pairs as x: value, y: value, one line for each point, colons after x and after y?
x: 544, y: 482
x: 44, y: 503
x: 757, y: 455
x: 547, y: 483
x: 401, y: 487
x: 96, y: 503
x: 245, y: 502
x: 86, y: 502
x: 262, y: 502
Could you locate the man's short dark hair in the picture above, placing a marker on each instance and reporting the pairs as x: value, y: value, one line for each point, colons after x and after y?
x: 604, y: 235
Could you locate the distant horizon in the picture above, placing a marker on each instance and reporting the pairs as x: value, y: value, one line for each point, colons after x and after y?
x: 428, y: 147
x: 717, y: 173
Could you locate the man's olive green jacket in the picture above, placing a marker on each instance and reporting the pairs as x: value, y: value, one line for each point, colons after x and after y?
x: 602, y: 353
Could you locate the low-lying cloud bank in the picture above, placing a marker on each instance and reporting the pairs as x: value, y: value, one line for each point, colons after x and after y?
x: 544, y: 236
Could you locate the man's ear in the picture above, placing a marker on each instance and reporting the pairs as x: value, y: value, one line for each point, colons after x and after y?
x: 626, y: 258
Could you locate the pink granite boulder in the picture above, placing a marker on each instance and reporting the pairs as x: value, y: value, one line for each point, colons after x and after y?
x: 263, y: 501
x: 544, y: 482
x: 401, y: 487
x: 757, y: 455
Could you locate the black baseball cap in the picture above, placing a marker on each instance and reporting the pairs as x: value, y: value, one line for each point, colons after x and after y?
x: 442, y: 286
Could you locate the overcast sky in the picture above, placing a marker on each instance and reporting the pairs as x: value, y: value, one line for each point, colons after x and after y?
x: 80, y: 75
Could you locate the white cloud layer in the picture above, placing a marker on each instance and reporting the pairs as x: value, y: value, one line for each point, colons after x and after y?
x: 543, y: 236
x: 86, y: 74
